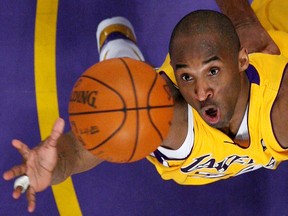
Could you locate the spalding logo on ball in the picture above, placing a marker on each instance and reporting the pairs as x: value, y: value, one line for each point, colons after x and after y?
x: 120, y: 110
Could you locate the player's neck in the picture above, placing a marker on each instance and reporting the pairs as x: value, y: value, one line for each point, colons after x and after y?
x: 240, y: 107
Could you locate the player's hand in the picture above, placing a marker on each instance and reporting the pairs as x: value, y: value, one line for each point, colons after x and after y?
x: 256, y: 39
x: 38, y: 165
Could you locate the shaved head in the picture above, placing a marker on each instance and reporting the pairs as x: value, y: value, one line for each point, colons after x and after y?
x: 203, y: 22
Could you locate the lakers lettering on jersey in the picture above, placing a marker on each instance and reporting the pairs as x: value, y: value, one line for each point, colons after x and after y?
x: 208, y: 155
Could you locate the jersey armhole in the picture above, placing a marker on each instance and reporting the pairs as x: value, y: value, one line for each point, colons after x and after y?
x: 186, y: 148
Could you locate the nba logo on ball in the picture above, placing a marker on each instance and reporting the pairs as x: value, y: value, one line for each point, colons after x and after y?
x: 120, y: 110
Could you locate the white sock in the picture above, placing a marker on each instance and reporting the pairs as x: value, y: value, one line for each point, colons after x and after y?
x: 120, y: 48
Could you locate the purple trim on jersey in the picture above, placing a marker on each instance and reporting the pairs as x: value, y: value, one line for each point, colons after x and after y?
x: 115, y: 36
x: 159, y: 156
x: 253, y: 75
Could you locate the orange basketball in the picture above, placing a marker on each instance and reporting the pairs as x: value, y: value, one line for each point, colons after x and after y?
x: 120, y: 110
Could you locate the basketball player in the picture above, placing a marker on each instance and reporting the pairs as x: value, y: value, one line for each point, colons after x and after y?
x: 238, y: 99
x: 170, y: 159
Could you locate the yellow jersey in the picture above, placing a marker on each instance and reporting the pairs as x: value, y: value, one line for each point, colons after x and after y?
x: 210, y: 155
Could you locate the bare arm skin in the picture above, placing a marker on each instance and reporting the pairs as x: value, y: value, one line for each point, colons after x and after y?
x: 250, y: 31
x: 254, y: 37
x: 179, y: 126
x: 51, y: 162
x: 279, y: 115
x: 61, y: 155
x: 72, y: 158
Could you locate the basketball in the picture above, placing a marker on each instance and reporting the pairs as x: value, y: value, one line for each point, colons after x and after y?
x: 120, y: 110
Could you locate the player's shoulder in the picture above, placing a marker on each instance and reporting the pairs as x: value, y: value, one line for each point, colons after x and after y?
x: 265, y: 59
x: 267, y: 65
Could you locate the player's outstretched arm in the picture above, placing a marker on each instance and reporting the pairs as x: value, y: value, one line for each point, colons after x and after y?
x: 51, y: 162
x: 251, y: 33
x: 72, y: 158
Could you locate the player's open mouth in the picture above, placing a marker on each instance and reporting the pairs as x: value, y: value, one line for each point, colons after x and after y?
x: 211, y: 115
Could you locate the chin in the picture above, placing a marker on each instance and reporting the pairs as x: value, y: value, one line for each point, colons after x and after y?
x: 218, y: 125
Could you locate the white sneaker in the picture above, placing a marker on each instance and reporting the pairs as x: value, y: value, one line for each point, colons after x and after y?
x: 116, y: 38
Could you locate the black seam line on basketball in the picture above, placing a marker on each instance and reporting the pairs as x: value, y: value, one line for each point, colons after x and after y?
x: 109, y: 137
x: 124, y: 119
x: 136, y: 104
x: 149, y: 114
x: 107, y: 86
x: 121, y: 110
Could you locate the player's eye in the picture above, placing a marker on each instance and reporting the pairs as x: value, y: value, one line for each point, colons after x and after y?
x: 213, y: 71
x: 186, y: 77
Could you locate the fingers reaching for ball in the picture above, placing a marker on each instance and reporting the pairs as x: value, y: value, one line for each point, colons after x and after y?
x: 56, y: 132
x: 36, y: 171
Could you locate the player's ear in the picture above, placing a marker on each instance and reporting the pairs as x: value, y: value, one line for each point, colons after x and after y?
x: 243, y: 59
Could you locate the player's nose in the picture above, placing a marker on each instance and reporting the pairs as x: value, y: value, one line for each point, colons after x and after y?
x: 202, y: 91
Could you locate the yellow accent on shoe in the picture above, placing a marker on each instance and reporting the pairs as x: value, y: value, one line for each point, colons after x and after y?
x: 116, y: 28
